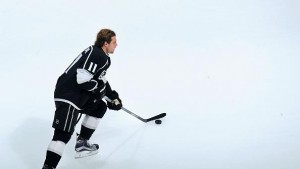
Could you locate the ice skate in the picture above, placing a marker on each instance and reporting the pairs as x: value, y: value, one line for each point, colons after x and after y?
x: 83, y: 148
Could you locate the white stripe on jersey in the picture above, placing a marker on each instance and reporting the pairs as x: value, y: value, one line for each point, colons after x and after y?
x: 95, y: 87
x: 88, y: 57
x: 73, y: 63
x: 83, y: 76
x: 87, y: 49
x: 104, y: 64
x: 67, y: 101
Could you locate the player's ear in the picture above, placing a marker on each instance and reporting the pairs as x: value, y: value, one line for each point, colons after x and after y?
x: 105, y: 44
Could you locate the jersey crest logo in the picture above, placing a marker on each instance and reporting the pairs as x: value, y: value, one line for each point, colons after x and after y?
x: 102, y: 74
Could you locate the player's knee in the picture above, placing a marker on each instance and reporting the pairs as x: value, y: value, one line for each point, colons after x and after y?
x: 100, y: 110
x: 61, y: 136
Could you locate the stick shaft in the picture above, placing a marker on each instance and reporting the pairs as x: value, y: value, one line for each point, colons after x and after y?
x: 137, y: 116
x: 133, y: 114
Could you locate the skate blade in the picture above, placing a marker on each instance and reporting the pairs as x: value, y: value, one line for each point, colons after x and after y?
x: 85, y: 154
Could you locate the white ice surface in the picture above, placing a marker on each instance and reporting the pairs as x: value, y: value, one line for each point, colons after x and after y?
x: 227, y: 73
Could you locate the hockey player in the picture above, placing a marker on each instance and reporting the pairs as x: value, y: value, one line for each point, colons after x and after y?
x: 80, y: 89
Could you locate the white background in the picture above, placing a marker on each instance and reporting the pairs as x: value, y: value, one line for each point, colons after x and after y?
x: 226, y: 73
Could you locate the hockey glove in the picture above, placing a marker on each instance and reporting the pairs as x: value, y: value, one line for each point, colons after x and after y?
x: 116, y: 103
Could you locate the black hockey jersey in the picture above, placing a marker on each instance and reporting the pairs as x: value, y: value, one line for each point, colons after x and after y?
x: 83, y: 77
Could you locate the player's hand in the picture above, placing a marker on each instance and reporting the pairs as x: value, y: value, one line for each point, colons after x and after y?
x: 116, y: 102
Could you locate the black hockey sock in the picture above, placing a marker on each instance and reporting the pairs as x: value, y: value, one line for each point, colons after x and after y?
x: 52, y: 159
x: 86, y: 133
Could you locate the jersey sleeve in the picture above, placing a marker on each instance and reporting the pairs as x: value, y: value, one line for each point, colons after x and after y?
x: 108, y: 88
x: 85, y: 81
x: 92, y: 65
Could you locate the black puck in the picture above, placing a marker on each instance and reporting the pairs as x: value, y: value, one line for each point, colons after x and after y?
x: 158, y: 121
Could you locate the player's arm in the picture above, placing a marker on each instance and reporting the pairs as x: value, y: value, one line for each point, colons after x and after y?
x: 86, y: 73
x: 116, y: 102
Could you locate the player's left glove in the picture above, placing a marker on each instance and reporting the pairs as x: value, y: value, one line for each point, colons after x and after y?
x: 116, y: 102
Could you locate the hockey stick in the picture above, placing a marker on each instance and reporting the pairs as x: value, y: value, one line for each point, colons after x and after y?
x: 138, y: 117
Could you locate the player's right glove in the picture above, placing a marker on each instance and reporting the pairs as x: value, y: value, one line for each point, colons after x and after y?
x: 116, y: 102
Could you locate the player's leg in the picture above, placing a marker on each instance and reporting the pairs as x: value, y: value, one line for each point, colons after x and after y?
x: 64, y: 123
x: 94, y: 111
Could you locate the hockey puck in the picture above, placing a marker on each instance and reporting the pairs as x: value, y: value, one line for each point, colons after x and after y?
x: 157, y: 121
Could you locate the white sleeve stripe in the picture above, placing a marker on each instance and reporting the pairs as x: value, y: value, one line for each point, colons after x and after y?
x: 83, y: 76
x: 104, y: 64
x: 103, y: 89
x: 88, y: 57
x: 95, y: 87
x: 73, y: 63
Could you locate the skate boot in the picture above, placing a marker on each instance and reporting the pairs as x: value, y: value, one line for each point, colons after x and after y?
x: 47, y: 167
x: 83, y: 148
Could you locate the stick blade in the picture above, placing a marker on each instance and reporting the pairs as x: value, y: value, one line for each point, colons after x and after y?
x: 157, y: 117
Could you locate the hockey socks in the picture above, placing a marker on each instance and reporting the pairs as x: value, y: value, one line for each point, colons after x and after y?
x: 54, y: 153
x: 89, y: 125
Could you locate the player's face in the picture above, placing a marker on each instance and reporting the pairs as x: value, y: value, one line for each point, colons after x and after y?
x: 112, y: 45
